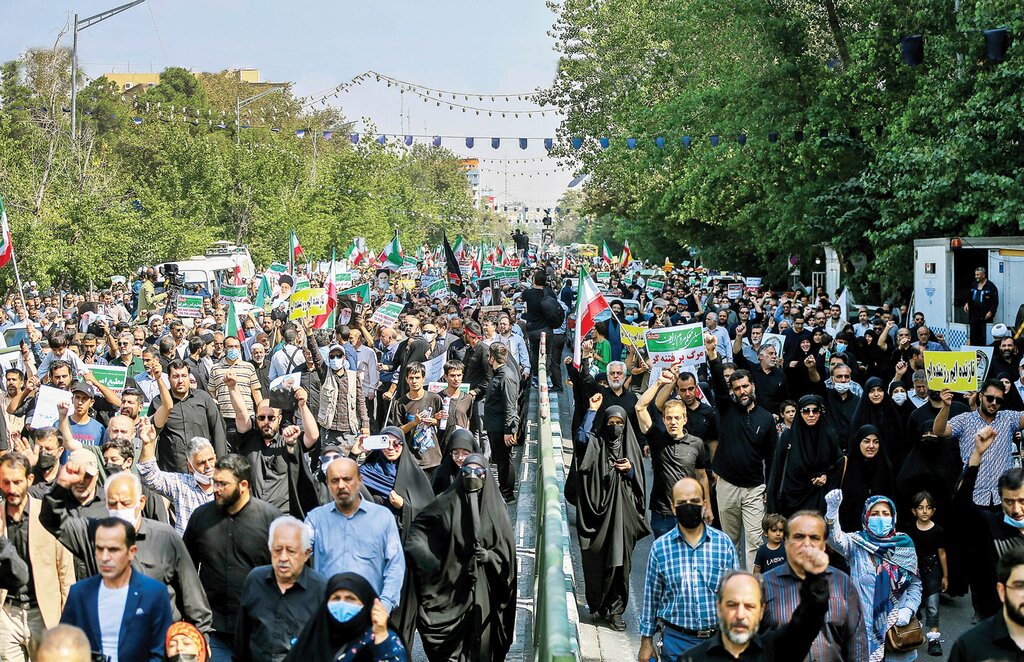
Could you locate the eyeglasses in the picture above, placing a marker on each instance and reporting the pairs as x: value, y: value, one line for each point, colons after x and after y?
x: 1016, y: 587
x: 993, y: 398
x: 810, y: 410
x: 265, y: 417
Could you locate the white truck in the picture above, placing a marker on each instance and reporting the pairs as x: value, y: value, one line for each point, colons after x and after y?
x: 944, y: 274
x: 216, y: 266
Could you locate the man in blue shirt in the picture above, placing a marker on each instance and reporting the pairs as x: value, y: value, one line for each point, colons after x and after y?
x: 84, y: 428
x: 352, y: 534
x: 684, y: 572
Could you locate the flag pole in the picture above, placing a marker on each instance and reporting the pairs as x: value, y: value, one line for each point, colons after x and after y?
x: 17, y: 277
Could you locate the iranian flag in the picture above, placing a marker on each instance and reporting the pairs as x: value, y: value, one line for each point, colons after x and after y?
x: 565, y: 261
x: 606, y: 253
x: 294, y: 251
x: 6, y: 246
x: 392, y: 257
x: 589, y: 304
x: 326, y: 321
x: 353, y: 254
x: 265, y: 293
x: 459, y: 248
x: 232, y: 326
x: 627, y: 255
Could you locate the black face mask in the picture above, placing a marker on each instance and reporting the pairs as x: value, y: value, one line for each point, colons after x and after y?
x: 616, y: 429
x: 46, y: 462
x: 690, y: 515
x: 113, y: 468
x: 471, y: 482
x: 184, y: 657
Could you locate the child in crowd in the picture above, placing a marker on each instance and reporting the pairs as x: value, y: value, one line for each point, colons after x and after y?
x: 771, y: 553
x: 784, y: 419
x: 929, y: 541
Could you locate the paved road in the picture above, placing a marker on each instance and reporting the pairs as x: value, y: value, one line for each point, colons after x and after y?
x: 599, y: 642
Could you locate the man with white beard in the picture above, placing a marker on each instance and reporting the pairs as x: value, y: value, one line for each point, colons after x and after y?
x: 615, y: 393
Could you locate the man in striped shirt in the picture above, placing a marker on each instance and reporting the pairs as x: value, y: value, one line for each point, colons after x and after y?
x: 841, y: 638
x: 244, y: 373
x: 684, y: 572
x: 186, y: 492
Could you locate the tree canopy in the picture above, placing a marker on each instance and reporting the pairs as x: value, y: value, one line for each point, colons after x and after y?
x: 841, y: 142
x: 132, y: 193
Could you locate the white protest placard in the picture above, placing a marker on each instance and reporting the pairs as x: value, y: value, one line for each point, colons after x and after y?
x: 437, y: 387
x: 387, y: 314
x: 776, y: 340
x: 46, y: 414
x: 734, y: 291
x: 434, y: 368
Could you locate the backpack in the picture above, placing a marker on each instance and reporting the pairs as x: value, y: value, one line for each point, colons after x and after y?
x: 554, y: 315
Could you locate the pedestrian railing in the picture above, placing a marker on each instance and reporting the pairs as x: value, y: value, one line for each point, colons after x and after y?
x: 553, y: 632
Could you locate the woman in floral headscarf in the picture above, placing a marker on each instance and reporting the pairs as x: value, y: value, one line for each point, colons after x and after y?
x: 883, y: 566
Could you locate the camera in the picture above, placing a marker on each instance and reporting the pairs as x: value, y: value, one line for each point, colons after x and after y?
x: 172, y: 276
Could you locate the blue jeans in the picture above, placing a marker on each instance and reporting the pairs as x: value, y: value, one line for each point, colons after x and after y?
x: 674, y: 644
x: 662, y: 524
x: 220, y: 647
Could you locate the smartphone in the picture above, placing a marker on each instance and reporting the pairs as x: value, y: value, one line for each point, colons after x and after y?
x: 376, y: 442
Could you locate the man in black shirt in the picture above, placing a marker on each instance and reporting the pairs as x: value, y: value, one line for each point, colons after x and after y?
x: 279, y: 599
x: 744, y: 454
x: 226, y: 539
x: 740, y: 605
x: 161, y: 553
x: 675, y: 454
x: 769, y: 379
x: 501, y: 417
x: 996, y: 637
x: 536, y: 317
x: 280, y: 474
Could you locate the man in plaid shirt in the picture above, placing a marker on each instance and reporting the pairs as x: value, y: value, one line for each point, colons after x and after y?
x: 684, y: 572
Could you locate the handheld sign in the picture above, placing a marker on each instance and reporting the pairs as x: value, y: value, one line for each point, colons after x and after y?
x: 957, y: 371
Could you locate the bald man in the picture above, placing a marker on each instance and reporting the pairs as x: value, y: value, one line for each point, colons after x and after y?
x: 353, y: 534
x: 684, y: 572
x: 741, y: 603
x: 64, y: 643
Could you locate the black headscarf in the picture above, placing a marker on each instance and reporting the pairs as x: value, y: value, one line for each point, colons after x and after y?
x: 804, y: 452
x: 324, y: 636
x: 886, y: 420
x: 414, y: 487
x: 409, y: 481
x: 864, y: 478
x: 467, y: 605
x: 610, y: 512
x: 445, y: 474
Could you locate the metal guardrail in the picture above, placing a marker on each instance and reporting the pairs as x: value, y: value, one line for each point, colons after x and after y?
x: 552, y: 629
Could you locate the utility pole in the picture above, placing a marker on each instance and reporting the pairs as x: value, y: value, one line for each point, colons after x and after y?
x: 82, y: 25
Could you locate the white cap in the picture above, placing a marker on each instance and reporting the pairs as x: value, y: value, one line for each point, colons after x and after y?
x: 1000, y: 331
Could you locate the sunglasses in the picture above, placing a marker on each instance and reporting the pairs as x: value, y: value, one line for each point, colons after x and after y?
x: 474, y: 471
x: 993, y: 398
x: 810, y: 410
x: 264, y: 417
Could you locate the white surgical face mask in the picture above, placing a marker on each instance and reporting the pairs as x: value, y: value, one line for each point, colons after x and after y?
x: 336, y: 364
x: 899, y: 398
x: 842, y: 387
x: 202, y: 479
x: 125, y: 514
x: 429, y: 337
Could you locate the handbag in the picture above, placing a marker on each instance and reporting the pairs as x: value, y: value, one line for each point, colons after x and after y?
x: 903, y: 638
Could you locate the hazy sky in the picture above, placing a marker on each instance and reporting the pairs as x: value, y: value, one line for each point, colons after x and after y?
x: 487, y: 46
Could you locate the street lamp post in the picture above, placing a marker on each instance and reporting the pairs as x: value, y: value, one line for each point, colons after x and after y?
x: 241, y: 103
x: 81, y: 25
